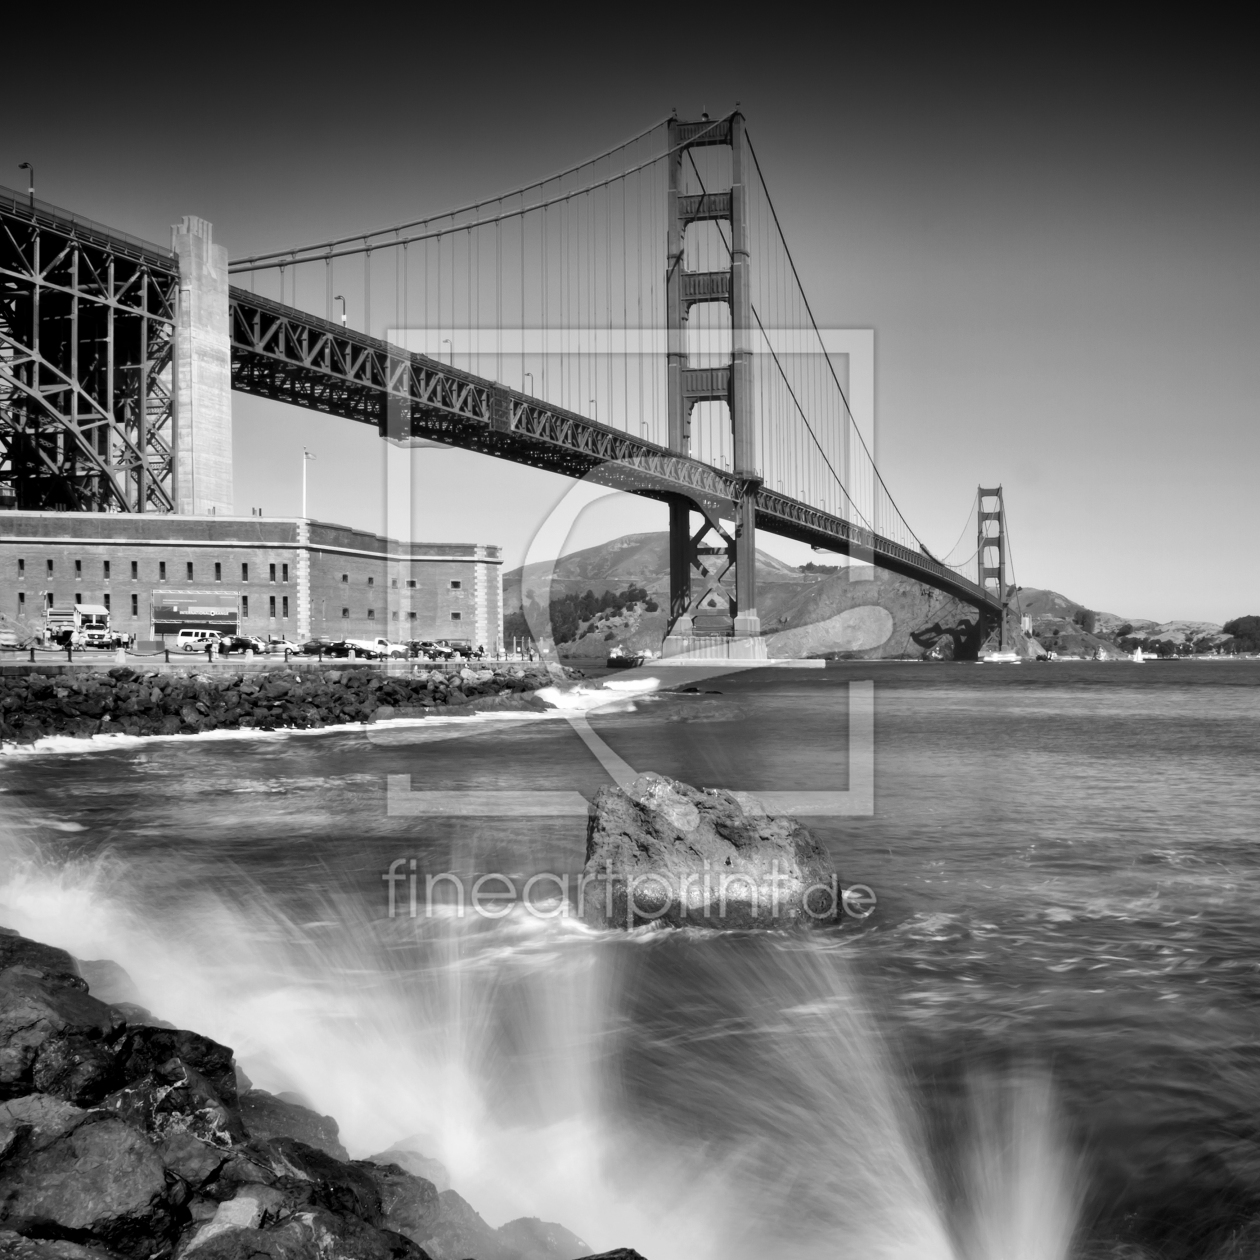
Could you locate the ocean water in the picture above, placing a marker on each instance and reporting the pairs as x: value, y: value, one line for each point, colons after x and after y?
x: 1044, y: 1043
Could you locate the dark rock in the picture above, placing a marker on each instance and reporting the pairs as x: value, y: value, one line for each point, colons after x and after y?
x: 86, y: 1175
x: 542, y: 1240
x: 266, y: 1116
x: 149, y: 1048
x: 54, y: 1037
x: 619, y: 1253
x: 665, y: 851
x: 316, y: 1233
x: 52, y: 964
x: 410, y: 1205
x: 15, y: 1247
x: 340, y: 1187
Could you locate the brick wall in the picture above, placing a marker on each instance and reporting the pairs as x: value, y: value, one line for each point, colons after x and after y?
x: 368, y: 577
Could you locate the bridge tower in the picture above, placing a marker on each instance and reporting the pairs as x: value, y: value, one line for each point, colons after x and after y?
x: 732, y: 384
x: 991, y: 549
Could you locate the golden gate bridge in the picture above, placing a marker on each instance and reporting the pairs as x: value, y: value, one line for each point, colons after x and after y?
x: 637, y: 318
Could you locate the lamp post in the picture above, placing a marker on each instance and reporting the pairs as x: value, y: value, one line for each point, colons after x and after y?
x: 30, y: 180
x: 339, y: 298
x: 531, y: 381
x: 446, y: 341
x: 306, y: 458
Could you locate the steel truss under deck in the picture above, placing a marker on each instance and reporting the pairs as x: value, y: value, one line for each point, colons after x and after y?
x: 287, y: 355
x: 87, y: 319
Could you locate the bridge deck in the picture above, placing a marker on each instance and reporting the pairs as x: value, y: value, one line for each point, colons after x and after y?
x: 285, y: 354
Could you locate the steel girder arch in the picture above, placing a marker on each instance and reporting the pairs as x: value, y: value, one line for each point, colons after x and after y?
x: 21, y: 426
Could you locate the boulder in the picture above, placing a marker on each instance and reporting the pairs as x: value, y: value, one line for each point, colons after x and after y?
x: 15, y: 1247
x: 663, y: 851
x: 266, y: 1115
x: 54, y: 1037
x: 542, y: 1240
x: 86, y: 1175
x: 410, y: 1205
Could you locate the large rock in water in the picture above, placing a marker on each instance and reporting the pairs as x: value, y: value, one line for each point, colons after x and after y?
x: 664, y: 851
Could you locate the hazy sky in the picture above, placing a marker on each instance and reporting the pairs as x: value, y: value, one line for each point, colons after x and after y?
x: 1053, y: 234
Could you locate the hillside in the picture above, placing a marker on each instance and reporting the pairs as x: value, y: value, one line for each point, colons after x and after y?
x: 860, y: 612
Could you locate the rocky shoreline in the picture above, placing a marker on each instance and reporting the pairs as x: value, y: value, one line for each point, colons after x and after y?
x: 130, y: 702
x: 122, y: 1137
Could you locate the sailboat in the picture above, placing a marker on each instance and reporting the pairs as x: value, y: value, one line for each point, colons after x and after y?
x: 1137, y: 657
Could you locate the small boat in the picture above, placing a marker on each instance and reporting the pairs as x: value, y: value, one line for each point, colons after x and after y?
x: 618, y: 658
x: 1137, y: 658
x: 999, y: 658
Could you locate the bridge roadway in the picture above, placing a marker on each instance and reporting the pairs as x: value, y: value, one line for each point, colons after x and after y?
x: 285, y: 354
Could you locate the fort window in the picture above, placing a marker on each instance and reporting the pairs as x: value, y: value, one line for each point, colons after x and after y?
x: 244, y: 573
x: 107, y: 601
x: 393, y: 616
x: 190, y: 570
x: 284, y: 572
x: 371, y: 614
x: 78, y: 599
x: 50, y: 568
x: 271, y: 612
x: 78, y: 568
x: 411, y: 584
x: 48, y: 599
x: 161, y: 570
x: 135, y: 605
x: 457, y: 616
x: 135, y: 569
x: 457, y: 585
x: 21, y: 568
x: 411, y: 616
x: 106, y: 570
x: 273, y: 572
x: 345, y: 577
x: 284, y: 605
x: 218, y: 572
x: 394, y: 583
x: 21, y: 602
x: 345, y: 612
x: 244, y: 607
x: 371, y: 581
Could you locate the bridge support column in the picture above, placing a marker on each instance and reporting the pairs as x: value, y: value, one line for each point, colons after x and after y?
x: 991, y: 557
x: 743, y: 419
x: 203, y: 374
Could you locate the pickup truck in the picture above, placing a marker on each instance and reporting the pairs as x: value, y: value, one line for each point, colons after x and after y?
x: 375, y: 648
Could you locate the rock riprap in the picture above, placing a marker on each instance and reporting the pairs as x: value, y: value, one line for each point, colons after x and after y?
x: 663, y: 851
x: 124, y: 701
x: 127, y: 1140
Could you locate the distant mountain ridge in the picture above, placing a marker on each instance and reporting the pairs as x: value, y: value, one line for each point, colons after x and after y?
x: 804, y: 614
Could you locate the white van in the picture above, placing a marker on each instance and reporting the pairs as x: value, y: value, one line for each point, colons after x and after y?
x: 196, y: 640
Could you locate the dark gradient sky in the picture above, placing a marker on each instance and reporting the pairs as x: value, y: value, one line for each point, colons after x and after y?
x: 1053, y: 231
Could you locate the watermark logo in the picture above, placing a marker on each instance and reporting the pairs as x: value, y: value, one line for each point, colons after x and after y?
x: 704, y: 895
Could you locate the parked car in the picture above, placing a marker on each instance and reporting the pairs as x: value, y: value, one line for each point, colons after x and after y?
x: 434, y: 651
x: 281, y: 645
x: 242, y: 643
x: 195, y: 640
x: 317, y: 647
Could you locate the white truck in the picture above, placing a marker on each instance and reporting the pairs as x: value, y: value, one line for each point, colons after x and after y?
x: 86, y: 624
x: 374, y: 648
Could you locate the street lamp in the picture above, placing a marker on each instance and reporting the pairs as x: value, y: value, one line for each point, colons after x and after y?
x: 306, y: 458
x: 342, y: 300
x: 30, y: 181
x: 446, y: 341
x: 531, y: 381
